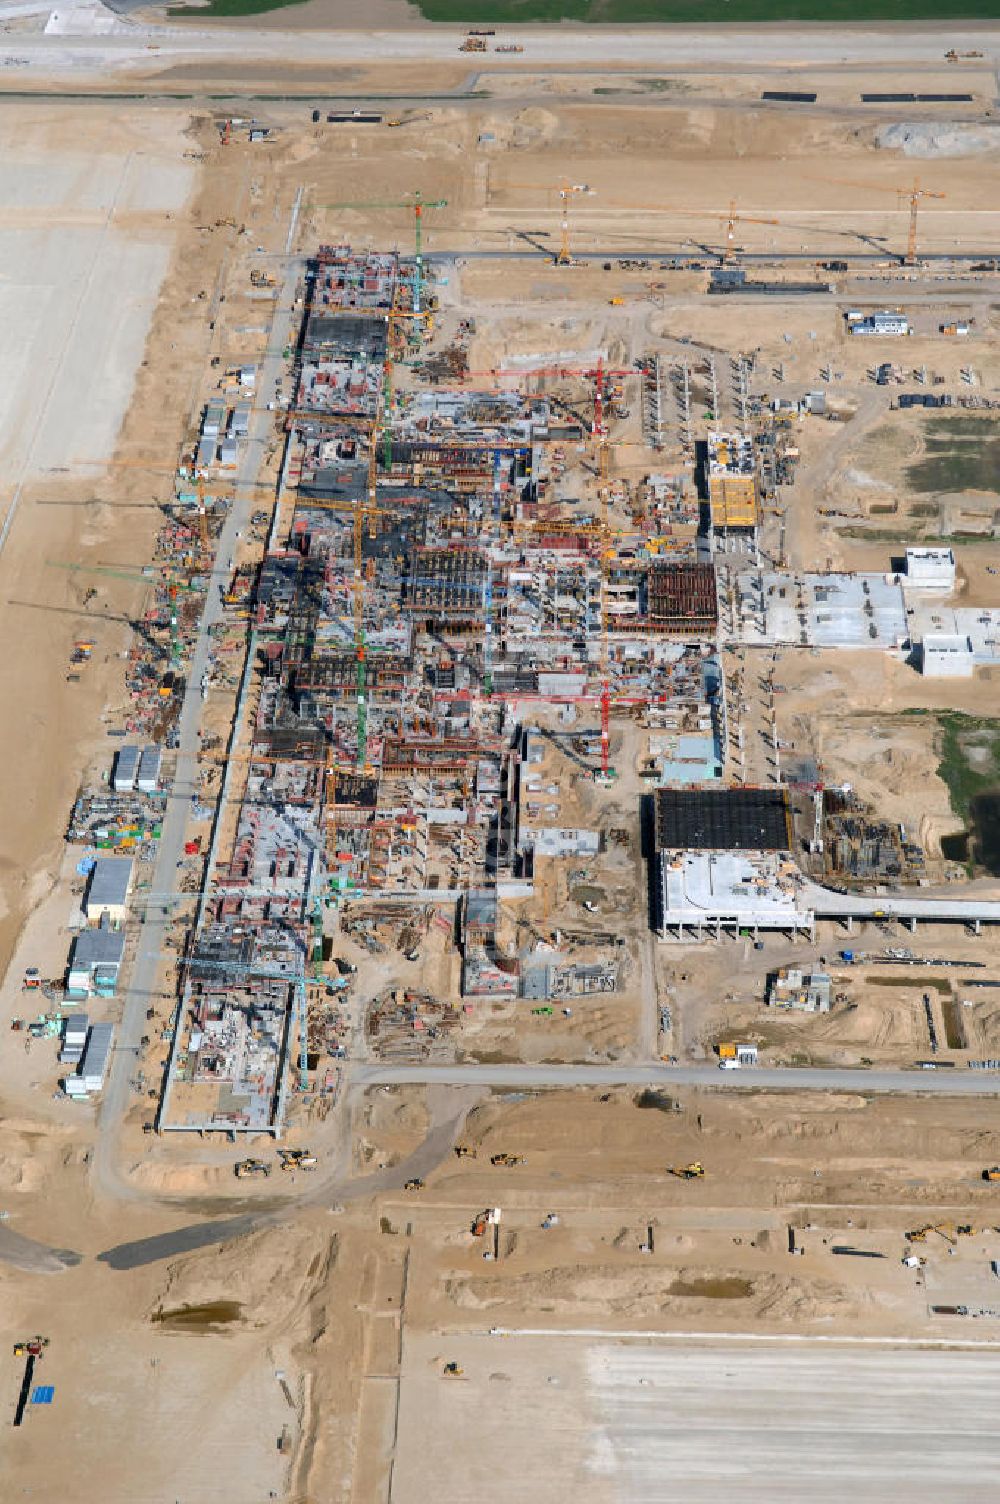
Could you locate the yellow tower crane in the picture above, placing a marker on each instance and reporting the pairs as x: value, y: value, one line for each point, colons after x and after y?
x: 567, y: 191
x: 909, y: 195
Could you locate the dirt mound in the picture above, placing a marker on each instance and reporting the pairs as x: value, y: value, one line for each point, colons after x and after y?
x: 922, y: 140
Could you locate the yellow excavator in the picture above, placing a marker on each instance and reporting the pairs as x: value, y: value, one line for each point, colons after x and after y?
x: 247, y: 1168
x: 693, y: 1171
x: 943, y: 1229
x: 297, y: 1159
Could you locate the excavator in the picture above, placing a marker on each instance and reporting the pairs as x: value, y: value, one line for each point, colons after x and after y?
x: 943, y: 1229
x: 693, y: 1171
x: 506, y: 1159
x: 297, y: 1159
x: 465, y: 1151
x: 248, y: 1168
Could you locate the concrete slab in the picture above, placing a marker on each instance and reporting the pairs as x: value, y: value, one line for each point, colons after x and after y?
x: 690, y: 1422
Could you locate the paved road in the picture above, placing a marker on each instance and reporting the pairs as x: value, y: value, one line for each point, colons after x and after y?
x: 157, y: 921
x: 539, y: 1077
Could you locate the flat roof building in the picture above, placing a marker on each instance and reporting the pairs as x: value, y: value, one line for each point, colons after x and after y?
x: 148, y: 777
x: 947, y: 655
x: 95, y: 961
x: 744, y: 819
x: 126, y: 767
x: 930, y: 569
x: 108, y: 890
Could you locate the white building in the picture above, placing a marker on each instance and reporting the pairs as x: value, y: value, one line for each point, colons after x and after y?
x: 882, y: 322
x: 931, y: 570
x: 705, y: 893
x: 126, y: 766
x: 108, y: 890
x: 550, y: 840
x: 947, y: 655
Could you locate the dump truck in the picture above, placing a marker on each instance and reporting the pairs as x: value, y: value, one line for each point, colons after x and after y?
x: 247, y: 1168
x: 485, y: 1219
x: 506, y: 1159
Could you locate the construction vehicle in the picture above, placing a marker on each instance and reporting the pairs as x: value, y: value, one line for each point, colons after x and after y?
x: 297, y: 1159
x: 508, y: 47
x: 31, y: 1347
x: 951, y: 56
x: 616, y: 302
x: 32, y: 979
x: 943, y: 1229
x: 472, y: 44
x: 489, y: 1218
x: 415, y: 1184
x: 247, y: 1168
x: 993, y: 1173
x: 465, y: 1151
x: 693, y: 1171
x: 453, y: 1370
x: 506, y: 1159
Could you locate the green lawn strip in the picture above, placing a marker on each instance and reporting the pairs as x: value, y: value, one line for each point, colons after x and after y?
x: 605, y: 12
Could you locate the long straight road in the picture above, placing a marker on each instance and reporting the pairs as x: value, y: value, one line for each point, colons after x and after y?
x: 157, y: 920
x: 752, y: 1078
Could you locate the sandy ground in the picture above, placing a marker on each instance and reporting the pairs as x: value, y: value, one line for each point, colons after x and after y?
x: 352, y: 1274
x: 86, y: 244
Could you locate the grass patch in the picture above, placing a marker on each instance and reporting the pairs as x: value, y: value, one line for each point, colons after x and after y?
x: 964, y: 781
x: 961, y: 453
x: 223, y: 8
x: 697, y: 12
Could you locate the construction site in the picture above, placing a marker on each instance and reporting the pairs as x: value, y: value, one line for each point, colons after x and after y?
x: 500, y: 912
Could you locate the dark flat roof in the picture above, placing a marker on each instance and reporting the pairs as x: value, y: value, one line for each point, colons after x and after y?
x: 722, y: 820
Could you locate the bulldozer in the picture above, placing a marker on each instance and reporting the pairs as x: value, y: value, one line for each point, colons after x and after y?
x: 693, y: 1171
x: 247, y: 1168
x: 453, y: 1370
x: 297, y: 1159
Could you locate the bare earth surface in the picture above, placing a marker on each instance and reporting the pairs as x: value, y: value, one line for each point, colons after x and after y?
x: 287, y: 1338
